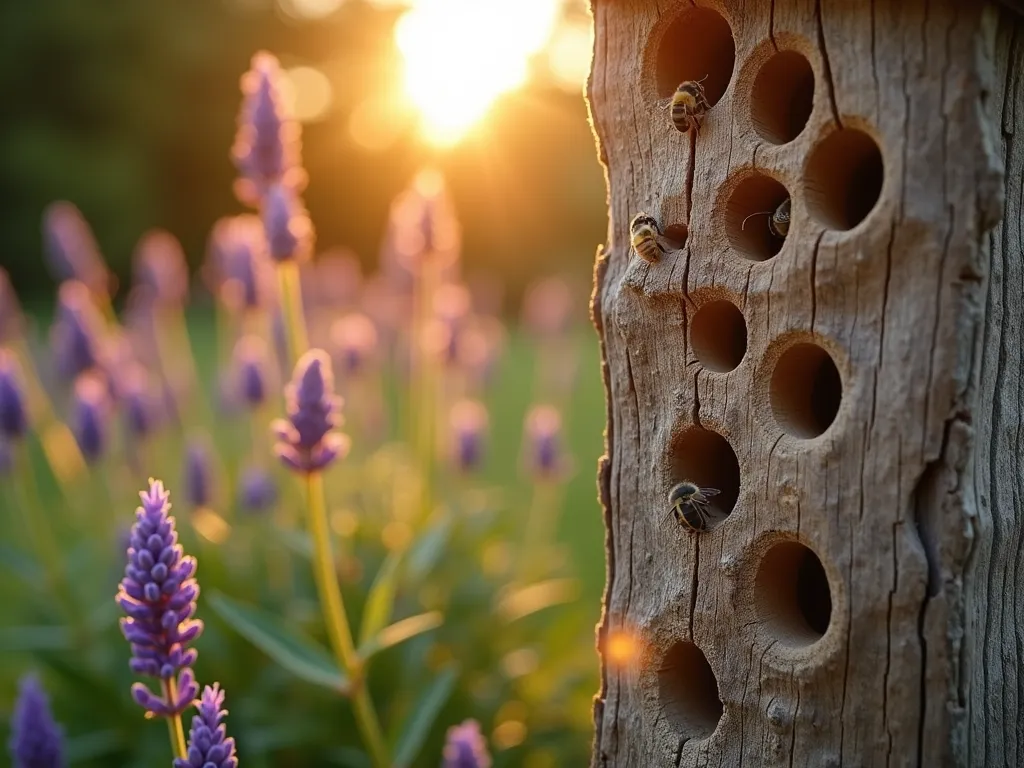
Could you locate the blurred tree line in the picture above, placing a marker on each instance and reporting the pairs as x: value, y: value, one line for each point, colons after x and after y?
x: 127, y: 108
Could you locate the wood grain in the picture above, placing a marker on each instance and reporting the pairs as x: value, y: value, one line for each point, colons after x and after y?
x: 913, y: 496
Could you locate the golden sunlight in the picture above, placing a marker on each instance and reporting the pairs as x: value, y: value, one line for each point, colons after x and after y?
x: 461, y: 56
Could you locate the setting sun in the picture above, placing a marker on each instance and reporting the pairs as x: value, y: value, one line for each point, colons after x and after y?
x: 460, y: 56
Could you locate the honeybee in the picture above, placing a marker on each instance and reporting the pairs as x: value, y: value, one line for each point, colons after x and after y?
x: 778, y: 222
x: 643, y: 236
x: 689, y: 503
x: 689, y: 105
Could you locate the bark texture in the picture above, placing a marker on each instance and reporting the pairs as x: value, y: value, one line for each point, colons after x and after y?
x: 855, y: 390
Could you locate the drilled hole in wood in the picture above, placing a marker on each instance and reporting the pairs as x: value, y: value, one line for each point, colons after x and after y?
x: 844, y: 178
x: 676, y: 235
x: 688, y: 691
x: 792, y: 594
x: 698, y: 45
x: 706, y: 458
x: 806, y: 390
x: 783, y: 97
x: 718, y: 334
x: 748, y: 215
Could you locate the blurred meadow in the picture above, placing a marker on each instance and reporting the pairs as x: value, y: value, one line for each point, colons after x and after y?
x: 409, y: 187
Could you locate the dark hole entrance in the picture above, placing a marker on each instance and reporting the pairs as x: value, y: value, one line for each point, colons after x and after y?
x: 748, y: 215
x: 844, y: 178
x: 793, y: 595
x: 697, y: 46
x: 688, y: 691
x: 718, y: 334
x: 706, y: 458
x: 783, y: 97
x: 806, y: 390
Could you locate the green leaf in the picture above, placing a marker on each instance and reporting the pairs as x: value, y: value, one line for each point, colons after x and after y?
x: 381, y: 600
x: 298, y: 542
x: 292, y: 650
x: 399, y: 632
x: 428, y: 550
x: 417, y: 726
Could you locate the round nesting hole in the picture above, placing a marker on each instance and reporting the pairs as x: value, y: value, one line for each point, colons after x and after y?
x: 748, y: 216
x: 806, y: 390
x: 783, y: 97
x: 688, y: 691
x: 676, y: 235
x: 844, y: 178
x: 706, y: 458
x: 698, y: 45
x: 792, y: 594
x: 718, y: 334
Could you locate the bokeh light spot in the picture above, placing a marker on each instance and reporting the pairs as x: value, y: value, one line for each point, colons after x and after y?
x: 311, y: 93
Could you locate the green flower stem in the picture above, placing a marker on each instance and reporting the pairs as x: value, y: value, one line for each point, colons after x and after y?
x: 338, y: 629
x: 541, y: 527
x: 291, y: 304
x: 174, y: 726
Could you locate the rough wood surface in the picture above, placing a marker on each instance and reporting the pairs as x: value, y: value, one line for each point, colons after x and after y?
x: 913, y: 498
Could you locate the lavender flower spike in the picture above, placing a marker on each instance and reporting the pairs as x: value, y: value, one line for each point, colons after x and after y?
x: 209, y: 746
x: 159, y: 595
x: 13, y: 416
x: 36, y: 740
x: 91, y: 417
x: 198, y: 474
x: 287, y: 225
x: 71, y: 248
x: 306, y: 442
x: 77, y: 330
x: 465, y: 747
x: 251, y: 370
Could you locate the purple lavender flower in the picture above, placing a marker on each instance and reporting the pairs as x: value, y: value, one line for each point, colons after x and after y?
x: 423, y: 225
x: 160, y: 265
x: 306, y: 440
x: 241, y: 267
x: 257, y: 490
x: 250, y: 358
x: 544, y: 442
x: 287, y: 225
x: 10, y: 310
x: 36, y: 739
x: 354, y: 341
x: 91, y: 415
x: 77, y: 330
x: 468, y: 425
x: 159, y: 594
x: 137, y: 395
x: 13, y: 415
x: 465, y: 747
x: 267, y: 145
x: 71, y: 248
x: 198, y: 474
x: 209, y: 746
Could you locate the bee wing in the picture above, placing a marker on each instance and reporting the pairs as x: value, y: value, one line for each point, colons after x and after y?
x: 710, y: 491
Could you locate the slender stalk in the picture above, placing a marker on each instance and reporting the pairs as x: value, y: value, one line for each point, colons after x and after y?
x: 541, y: 527
x: 291, y: 305
x: 174, y: 726
x: 338, y: 629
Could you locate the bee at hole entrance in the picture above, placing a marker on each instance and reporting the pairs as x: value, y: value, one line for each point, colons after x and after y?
x: 688, y: 105
x: 643, y: 237
x: 690, y: 506
x: 778, y: 221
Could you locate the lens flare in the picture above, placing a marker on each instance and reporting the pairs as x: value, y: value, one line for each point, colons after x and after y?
x: 461, y: 56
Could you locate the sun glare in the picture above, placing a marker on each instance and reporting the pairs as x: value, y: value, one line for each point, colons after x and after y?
x: 461, y: 56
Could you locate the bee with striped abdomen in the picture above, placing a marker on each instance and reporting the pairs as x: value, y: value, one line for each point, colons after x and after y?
x: 778, y: 222
x: 688, y: 106
x: 689, y: 503
x: 643, y: 236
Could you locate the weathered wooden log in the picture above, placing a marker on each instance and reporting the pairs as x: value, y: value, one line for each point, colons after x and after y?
x: 853, y: 389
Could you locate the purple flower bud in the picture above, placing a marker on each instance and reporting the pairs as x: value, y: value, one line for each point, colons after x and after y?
x: 36, y: 739
x: 13, y: 415
x: 267, y: 146
x: 287, y: 225
x: 198, y: 474
x: 306, y: 440
x: 160, y: 265
x: 10, y: 310
x: 209, y: 746
x: 138, y: 395
x: 353, y: 341
x: 71, y: 248
x: 77, y: 330
x: 469, y: 426
x: 258, y: 490
x: 250, y: 359
x: 158, y: 594
x: 423, y: 225
x: 465, y: 747
x: 241, y: 268
x: 544, y: 442
x: 91, y: 415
